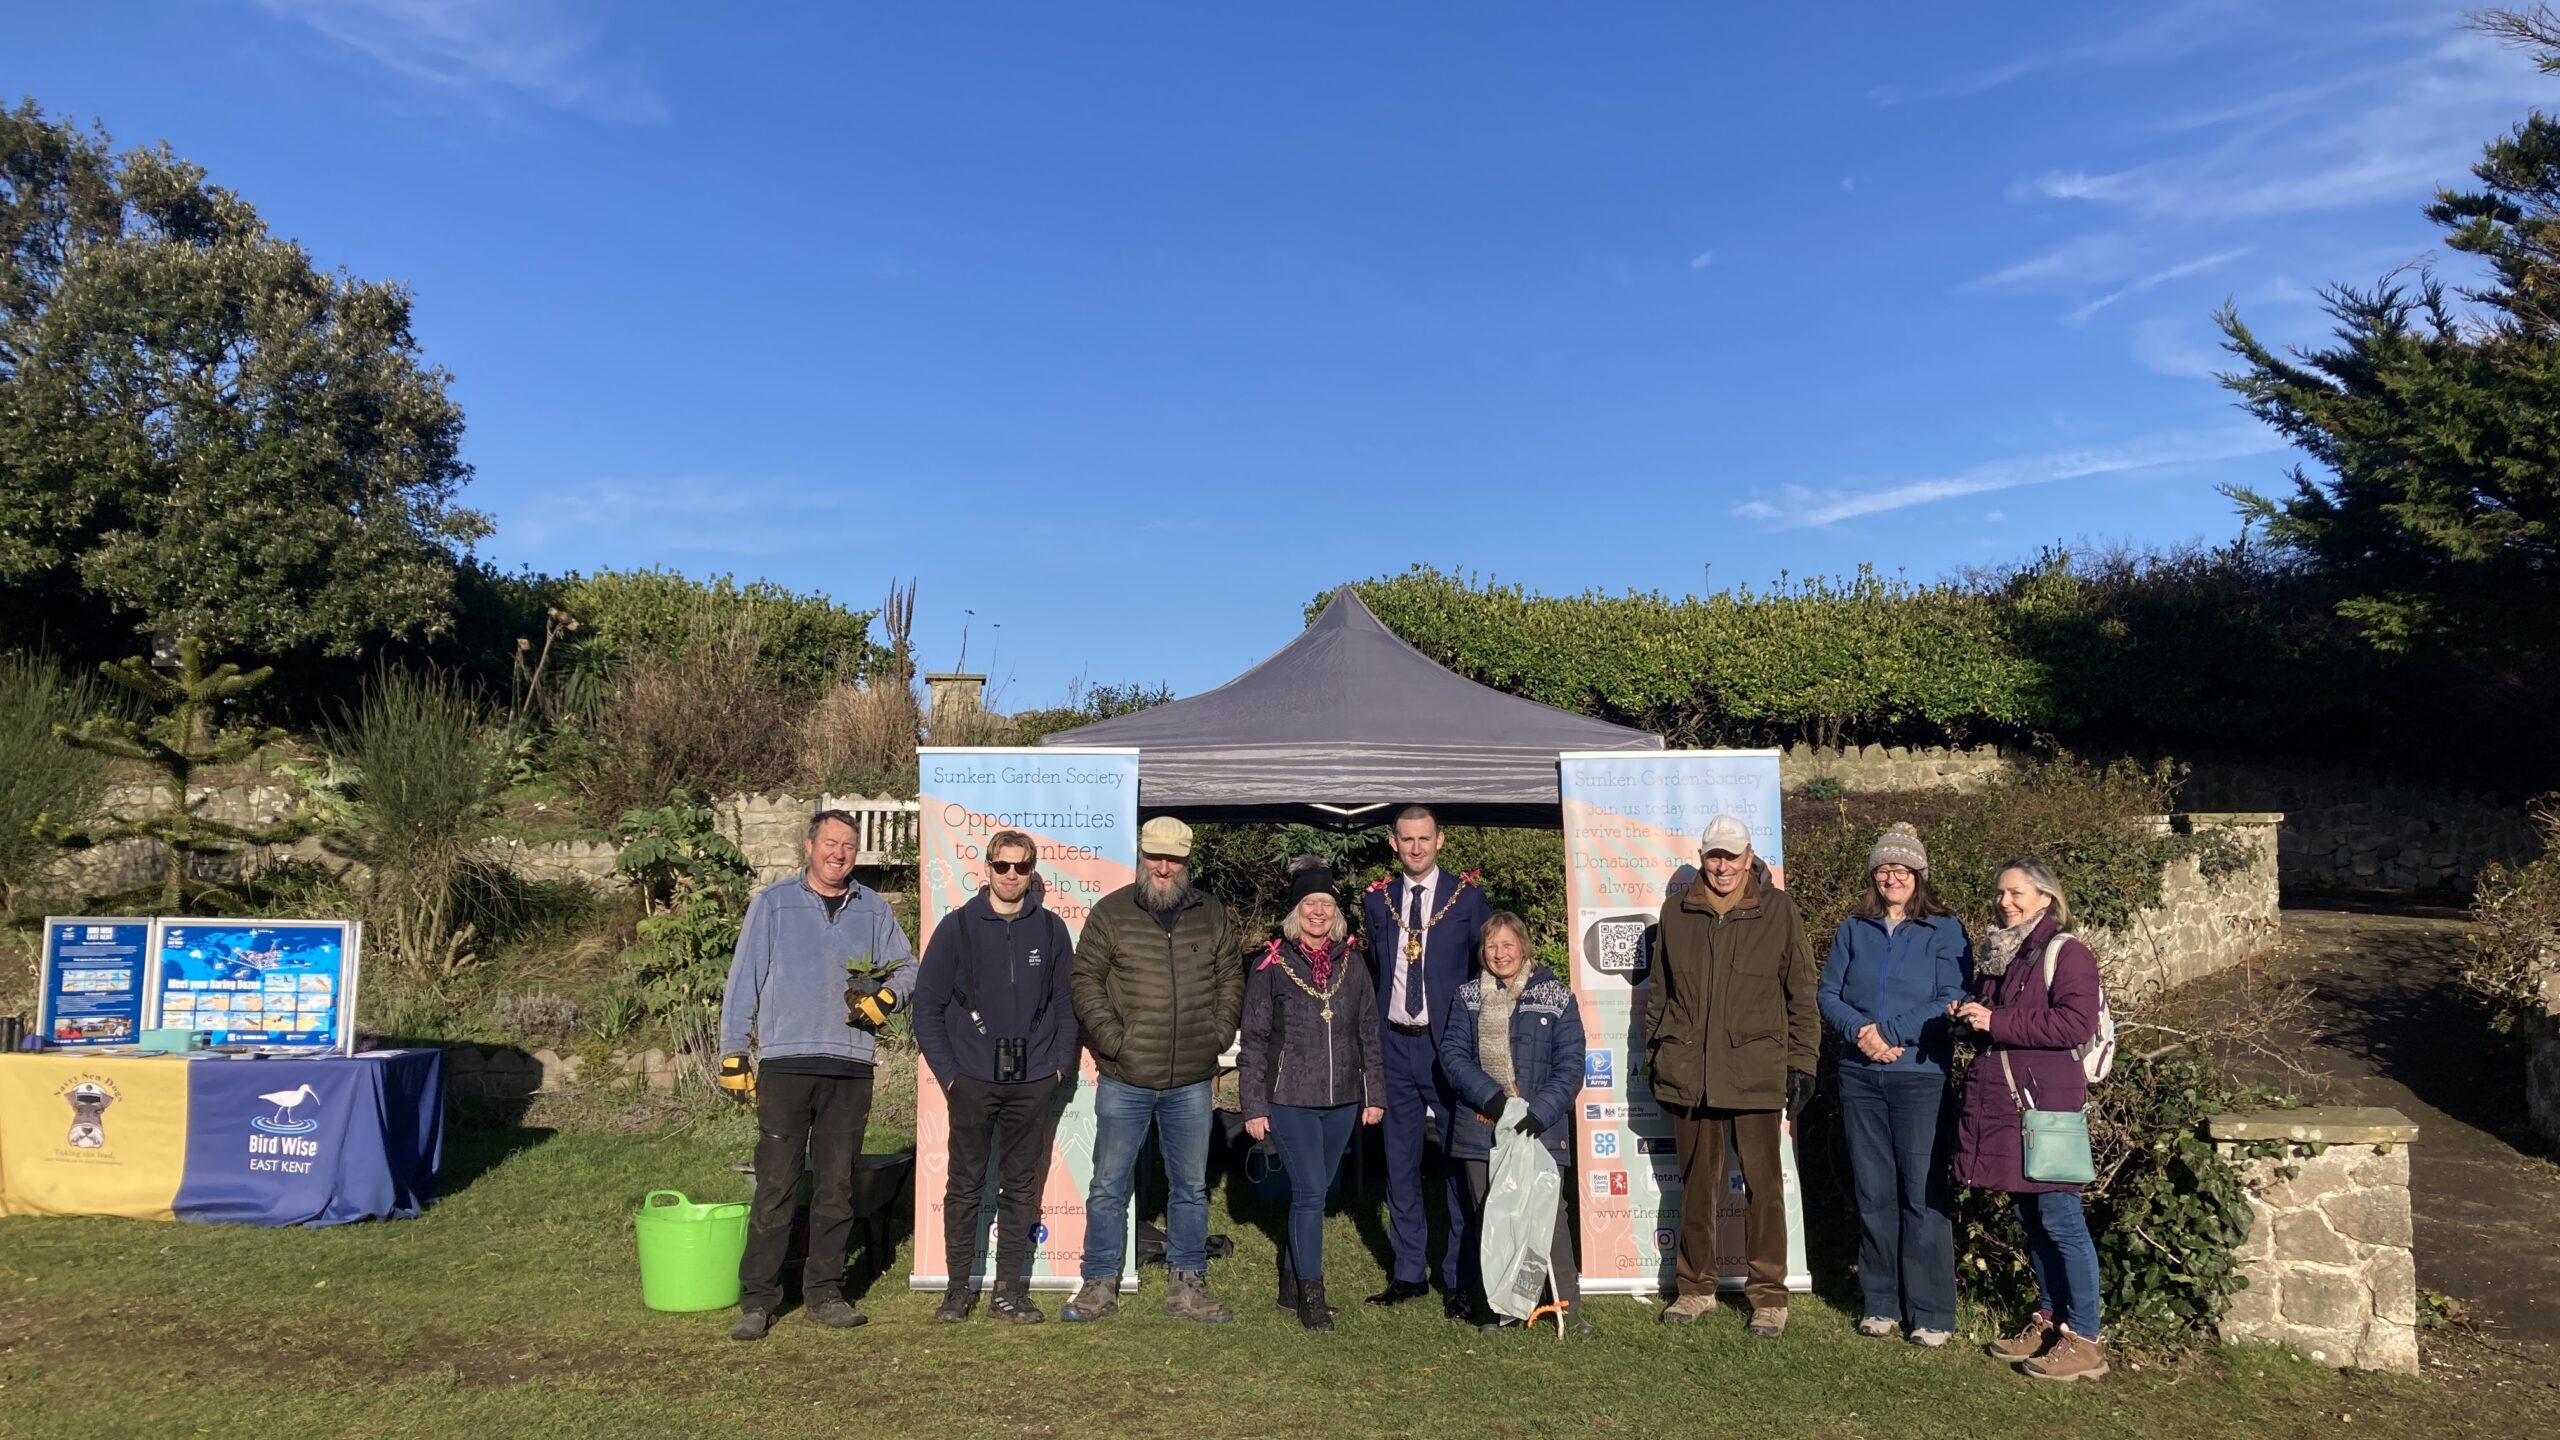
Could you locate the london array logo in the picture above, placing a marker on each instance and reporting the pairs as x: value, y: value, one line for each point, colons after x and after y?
x: 287, y: 1119
x: 89, y: 1096
x: 1599, y: 1070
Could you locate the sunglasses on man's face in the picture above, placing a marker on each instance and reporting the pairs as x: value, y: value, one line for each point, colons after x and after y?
x: 1013, y: 867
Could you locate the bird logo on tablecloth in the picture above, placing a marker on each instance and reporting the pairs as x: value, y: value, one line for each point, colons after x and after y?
x: 286, y: 1103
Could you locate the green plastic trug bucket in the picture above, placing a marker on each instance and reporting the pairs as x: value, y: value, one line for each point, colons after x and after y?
x: 689, y: 1253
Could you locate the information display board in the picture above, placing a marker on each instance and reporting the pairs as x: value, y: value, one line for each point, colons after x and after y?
x: 271, y: 984
x: 95, y: 980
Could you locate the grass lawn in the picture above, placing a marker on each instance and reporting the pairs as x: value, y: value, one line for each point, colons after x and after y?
x: 513, y: 1308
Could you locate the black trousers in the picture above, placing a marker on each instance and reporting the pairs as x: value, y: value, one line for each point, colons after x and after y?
x: 1016, y: 1122
x: 821, y: 1118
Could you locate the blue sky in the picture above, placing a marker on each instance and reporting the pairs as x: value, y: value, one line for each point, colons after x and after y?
x: 1129, y: 327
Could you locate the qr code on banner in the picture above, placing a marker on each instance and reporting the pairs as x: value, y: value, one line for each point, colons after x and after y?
x: 1618, y: 946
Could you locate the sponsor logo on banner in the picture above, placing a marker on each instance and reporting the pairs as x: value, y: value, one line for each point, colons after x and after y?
x: 1655, y: 1145
x: 1598, y: 1070
x: 1617, y: 1182
x: 1604, y: 1143
x: 1595, y: 1113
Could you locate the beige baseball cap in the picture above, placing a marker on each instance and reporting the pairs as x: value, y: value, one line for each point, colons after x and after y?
x: 1165, y: 835
x: 1727, y: 834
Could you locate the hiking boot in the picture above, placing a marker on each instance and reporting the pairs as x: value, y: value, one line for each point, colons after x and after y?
x: 1768, y: 1322
x: 1288, y: 1297
x: 1012, y: 1303
x: 1876, y: 1327
x: 2070, y: 1358
x: 1313, y: 1313
x: 1578, y: 1326
x: 1097, y: 1300
x: 836, y: 1313
x: 751, y: 1325
x: 1191, y: 1299
x: 2033, y: 1339
x: 957, y: 1301
x: 1687, y: 1309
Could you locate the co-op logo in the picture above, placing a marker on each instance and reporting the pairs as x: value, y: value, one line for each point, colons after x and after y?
x: 288, y: 1119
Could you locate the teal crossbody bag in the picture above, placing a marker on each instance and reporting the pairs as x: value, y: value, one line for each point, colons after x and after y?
x: 2054, y: 1144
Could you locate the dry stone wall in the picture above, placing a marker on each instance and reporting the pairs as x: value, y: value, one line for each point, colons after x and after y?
x: 2202, y: 925
x: 2328, y: 1254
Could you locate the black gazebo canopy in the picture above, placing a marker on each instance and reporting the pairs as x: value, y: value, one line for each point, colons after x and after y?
x: 1345, y: 721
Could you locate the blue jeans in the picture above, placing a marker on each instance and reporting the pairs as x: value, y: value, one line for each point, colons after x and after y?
x: 1897, y: 1154
x: 1311, y: 1143
x: 2064, y: 1257
x: 1120, y: 1115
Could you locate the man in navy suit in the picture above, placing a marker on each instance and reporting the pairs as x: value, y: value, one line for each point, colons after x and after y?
x: 1422, y: 946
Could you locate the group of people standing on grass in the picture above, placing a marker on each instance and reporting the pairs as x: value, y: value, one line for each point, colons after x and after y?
x: 1428, y: 1016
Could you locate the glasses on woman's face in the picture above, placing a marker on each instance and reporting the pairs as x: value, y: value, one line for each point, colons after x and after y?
x: 1013, y: 867
x: 1893, y: 872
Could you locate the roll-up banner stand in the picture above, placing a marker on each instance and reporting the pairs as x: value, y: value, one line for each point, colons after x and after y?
x: 1080, y: 808
x: 1632, y: 821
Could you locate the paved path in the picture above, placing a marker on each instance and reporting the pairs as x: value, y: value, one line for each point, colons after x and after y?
x: 2397, y: 1031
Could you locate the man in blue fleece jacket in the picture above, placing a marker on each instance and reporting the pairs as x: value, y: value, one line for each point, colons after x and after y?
x: 787, y: 996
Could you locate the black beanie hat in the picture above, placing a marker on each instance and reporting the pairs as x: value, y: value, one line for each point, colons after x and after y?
x: 1309, y: 875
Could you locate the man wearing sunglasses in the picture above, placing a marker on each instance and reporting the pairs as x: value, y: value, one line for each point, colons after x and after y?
x: 996, y: 1022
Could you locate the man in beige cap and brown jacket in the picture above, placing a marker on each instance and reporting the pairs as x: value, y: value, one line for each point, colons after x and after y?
x: 1732, y: 1034
x: 1158, y: 987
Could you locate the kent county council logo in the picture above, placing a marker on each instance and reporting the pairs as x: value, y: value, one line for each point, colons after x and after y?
x: 1617, y: 1182
x: 286, y: 1120
x: 1598, y: 1071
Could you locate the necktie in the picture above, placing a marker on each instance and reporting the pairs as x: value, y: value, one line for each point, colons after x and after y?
x: 1413, y: 953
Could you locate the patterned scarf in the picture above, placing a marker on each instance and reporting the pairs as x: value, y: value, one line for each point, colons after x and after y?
x: 1319, y: 955
x: 1992, y: 954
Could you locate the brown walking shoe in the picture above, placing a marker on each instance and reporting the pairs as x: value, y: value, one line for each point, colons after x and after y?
x: 2033, y: 1339
x: 1687, y: 1309
x: 1097, y: 1300
x: 1768, y: 1322
x: 1191, y: 1299
x: 2071, y: 1358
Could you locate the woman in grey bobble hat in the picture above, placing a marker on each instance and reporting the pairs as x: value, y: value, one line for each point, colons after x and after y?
x: 1897, y: 963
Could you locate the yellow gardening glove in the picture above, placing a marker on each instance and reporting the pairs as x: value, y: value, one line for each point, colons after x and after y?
x: 869, y: 1009
x: 737, y: 1079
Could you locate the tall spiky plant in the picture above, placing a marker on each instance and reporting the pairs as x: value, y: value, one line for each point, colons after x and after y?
x: 184, y: 736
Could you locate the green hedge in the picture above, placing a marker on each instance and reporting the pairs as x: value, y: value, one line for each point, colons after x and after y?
x: 2197, y: 651
x: 808, y: 639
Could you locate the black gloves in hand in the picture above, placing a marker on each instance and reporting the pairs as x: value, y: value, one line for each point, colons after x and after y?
x: 1529, y: 1124
x: 1799, y: 1093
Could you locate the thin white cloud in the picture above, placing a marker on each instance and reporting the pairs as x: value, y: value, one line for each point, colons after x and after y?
x: 2186, y: 448
x: 1702, y: 260
x: 484, y: 57
x: 2155, y: 279
x: 2155, y: 32
x: 696, y: 514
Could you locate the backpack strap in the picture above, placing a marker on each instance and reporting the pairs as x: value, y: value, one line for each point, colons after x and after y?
x: 2052, y: 953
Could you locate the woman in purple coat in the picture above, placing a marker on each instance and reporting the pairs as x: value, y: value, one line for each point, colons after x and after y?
x: 2014, y: 1015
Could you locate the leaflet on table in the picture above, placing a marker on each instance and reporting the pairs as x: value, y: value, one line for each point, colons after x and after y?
x: 273, y: 984
x: 95, y: 980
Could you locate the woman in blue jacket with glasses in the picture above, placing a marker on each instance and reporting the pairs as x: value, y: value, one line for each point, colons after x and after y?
x: 1897, y: 963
